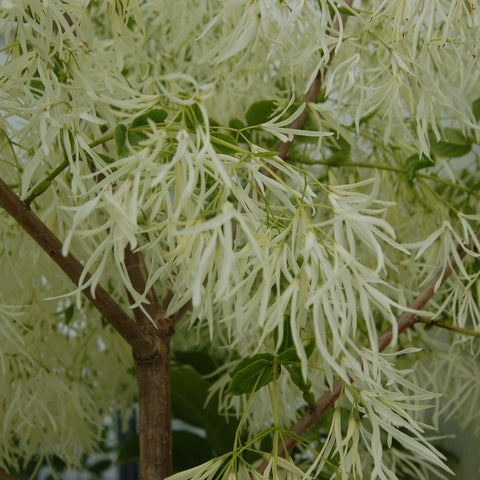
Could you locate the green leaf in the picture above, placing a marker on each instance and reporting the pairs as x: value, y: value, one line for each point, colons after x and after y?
x: 453, y: 144
x: 192, y: 116
x: 68, y: 313
x: 289, y: 358
x: 476, y: 109
x: 337, y: 159
x: 295, y: 371
x: 221, y: 142
x: 456, y: 137
x: 129, y: 450
x: 120, y: 137
x: 239, y: 126
x: 106, y: 158
x: 251, y: 374
x: 310, y: 347
x: 201, y: 361
x: 245, y: 362
x: 98, y: 467
x: 287, y: 338
x: 346, y: 11
x: 290, y: 355
x: 309, y: 398
x: 122, y: 133
x: 444, y: 149
x: 414, y: 163
x: 134, y: 138
x: 36, y: 85
x: 157, y: 115
x: 260, y: 112
x: 189, y: 450
x: 367, y: 117
x: 287, y: 349
x: 236, y: 124
x: 189, y: 395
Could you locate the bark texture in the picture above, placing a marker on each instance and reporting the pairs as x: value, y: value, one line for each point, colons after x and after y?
x: 153, y: 378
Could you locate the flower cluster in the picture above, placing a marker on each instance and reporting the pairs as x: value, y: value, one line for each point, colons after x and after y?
x: 156, y: 127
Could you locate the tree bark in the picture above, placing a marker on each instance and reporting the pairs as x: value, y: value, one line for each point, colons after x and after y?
x: 154, y: 399
x: 153, y: 375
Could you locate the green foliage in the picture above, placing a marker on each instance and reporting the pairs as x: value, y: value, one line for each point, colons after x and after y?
x: 476, y: 109
x: 414, y: 163
x: 134, y: 134
x: 192, y: 116
x: 452, y: 144
x: 256, y: 371
x: 224, y: 143
x: 189, y: 404
x: 129, y: 450
x: 251, y: 374
x: 156, y: 116
x: 120, y: 135
x: 260, y: 112
x: 190, y: 450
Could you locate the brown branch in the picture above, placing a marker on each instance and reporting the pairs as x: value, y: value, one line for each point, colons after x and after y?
x: 138, y: 275
x: 154, y: 405
x: 153, y: 376
x: 404, y: 321
x: 72, y: 267
x: 6, y: 476
x: 407, y: 319
x: 312, y: 93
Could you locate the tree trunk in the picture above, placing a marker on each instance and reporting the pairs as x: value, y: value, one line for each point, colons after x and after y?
x: 155, y: 423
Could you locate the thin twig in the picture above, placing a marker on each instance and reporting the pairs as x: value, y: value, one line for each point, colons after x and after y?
x: 283, y: 148
x: 44, y: 184
x: 404, y: 321
x: 438, y: 322
x: 156, y: 312
x: 138, y: 274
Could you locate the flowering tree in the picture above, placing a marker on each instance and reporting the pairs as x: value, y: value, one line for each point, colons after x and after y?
x: 286, y: 185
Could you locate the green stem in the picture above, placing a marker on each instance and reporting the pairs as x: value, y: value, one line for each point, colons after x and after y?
x: 444, y: 182
x: 101, y: 140
x: 47, y: 181
x: 308, y: 161
x: 453, y: 328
